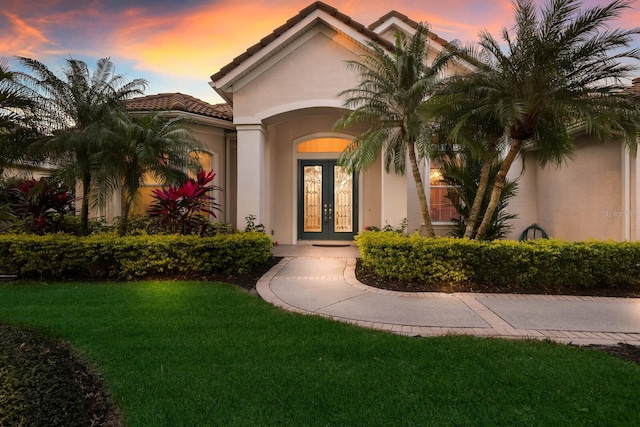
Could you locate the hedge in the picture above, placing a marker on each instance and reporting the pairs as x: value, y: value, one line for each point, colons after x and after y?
x: 108, y: 256
x: 542, y: 263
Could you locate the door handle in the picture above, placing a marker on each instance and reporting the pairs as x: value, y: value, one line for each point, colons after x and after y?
x: 328, y: 212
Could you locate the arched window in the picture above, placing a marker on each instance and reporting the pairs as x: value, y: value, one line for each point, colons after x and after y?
x: 323, y: 145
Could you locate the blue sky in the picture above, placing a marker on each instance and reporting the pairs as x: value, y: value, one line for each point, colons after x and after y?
x: 177, y: 44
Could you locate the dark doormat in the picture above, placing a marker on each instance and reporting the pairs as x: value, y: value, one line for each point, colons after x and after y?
x: 330, y: 245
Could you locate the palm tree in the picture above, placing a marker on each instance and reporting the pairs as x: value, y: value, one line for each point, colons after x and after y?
x: 392, y: 88
x: 73, y: 110
x: 560, y: 67
x: 149, y: 144
x: 463, y: 171
x: 16, y: 118
x: 465, y: 134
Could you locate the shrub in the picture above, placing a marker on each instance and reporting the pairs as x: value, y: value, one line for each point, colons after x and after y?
x: 37, y: 384
x: 141, y: 224
x: 40, y: 205
x: 107, y: 256
x: 182, y: 209
x: 541, y: 264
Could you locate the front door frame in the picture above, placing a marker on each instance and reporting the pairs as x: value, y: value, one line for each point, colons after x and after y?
x: 295, y: 181
x: 328, y: 190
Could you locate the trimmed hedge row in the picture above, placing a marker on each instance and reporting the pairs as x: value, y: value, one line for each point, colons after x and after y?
x: 539, y: 263
x: 123, y: 258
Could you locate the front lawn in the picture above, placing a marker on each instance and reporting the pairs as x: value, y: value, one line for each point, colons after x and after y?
x: 198, y: 354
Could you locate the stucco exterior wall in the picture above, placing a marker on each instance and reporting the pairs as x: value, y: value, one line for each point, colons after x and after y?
x: 311, y: 68
x: 525, y: 203
x: 582, y: 199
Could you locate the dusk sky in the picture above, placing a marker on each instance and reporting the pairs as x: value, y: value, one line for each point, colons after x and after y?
x: 177, y: 44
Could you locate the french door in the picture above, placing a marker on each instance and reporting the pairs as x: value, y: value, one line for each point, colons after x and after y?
x: 327, y: 201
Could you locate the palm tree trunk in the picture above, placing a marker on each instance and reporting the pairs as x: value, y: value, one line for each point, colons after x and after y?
x: 477, y: 202
x: 124, y: 217
x: 84, y: 211
x: 497, y: 188
x: 426, y: 217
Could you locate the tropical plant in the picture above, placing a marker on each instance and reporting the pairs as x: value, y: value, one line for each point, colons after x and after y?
x: 41, y: 204
x: 16, y: 120
x: 149, y: 145
x: 251, y: 224
x: 182, y: 209
x: 463, y: 173
x: 462, y: 131
x: 557, y: 68
x: 392, y: 88
x: 73, y: 111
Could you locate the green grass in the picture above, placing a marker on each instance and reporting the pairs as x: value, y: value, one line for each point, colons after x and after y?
x: 199, y: 354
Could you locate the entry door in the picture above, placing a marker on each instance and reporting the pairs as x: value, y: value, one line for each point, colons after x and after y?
x: 327, y: 201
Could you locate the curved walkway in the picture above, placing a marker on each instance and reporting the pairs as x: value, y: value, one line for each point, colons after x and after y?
x: 321, y: 281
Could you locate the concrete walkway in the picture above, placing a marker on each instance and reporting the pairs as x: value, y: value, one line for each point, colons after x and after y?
x: 321, y: 281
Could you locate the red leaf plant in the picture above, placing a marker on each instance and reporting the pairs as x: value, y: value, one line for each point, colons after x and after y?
x: 182, y: 209
x: 41, y: 204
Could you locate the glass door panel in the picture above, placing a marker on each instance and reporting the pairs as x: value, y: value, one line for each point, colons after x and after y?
x: 312, y: 199
x: 343, y: 200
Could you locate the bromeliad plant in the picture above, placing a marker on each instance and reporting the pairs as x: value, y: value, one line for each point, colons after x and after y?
x: 182, y: 209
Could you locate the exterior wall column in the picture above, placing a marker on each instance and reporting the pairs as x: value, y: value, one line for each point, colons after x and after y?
x: 393, y: 197
x: 251, y: 174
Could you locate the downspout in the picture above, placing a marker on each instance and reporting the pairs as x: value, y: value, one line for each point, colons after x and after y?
x: 626, y: 193
x: 636, y: 212
x: 227, y: 175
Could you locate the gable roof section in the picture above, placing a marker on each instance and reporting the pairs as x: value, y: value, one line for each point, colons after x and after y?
x: 266, y: 41
x: 180, y: 102
x: 395, y: 15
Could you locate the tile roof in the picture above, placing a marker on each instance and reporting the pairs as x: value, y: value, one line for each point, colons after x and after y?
x: 180, y: 102
x: 299, y: 17
x: 634, y: 89
x: 408, y: 21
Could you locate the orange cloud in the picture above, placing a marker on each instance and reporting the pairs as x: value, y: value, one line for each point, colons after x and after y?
x: 198, y: 42
x: 22, y: 39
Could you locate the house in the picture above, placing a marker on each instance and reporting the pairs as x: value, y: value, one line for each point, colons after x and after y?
x: 275, y: 152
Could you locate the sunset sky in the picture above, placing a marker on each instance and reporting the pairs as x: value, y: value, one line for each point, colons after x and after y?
x: 177, y: 44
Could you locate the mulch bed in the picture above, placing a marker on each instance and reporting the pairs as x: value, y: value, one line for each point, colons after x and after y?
x: 372, y: 279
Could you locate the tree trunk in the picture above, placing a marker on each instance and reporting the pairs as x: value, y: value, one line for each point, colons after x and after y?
x: 497, y: 189
x: 426, y: 216
x: 84, y: 211
x: 124, y: 217
x: 477, y: 202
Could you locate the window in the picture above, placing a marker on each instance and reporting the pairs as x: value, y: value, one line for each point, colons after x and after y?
x: 440, y: 206
x: 202, y: 159
x: 151, y: 183
x: 205, y: 161
x: 323, y: 145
